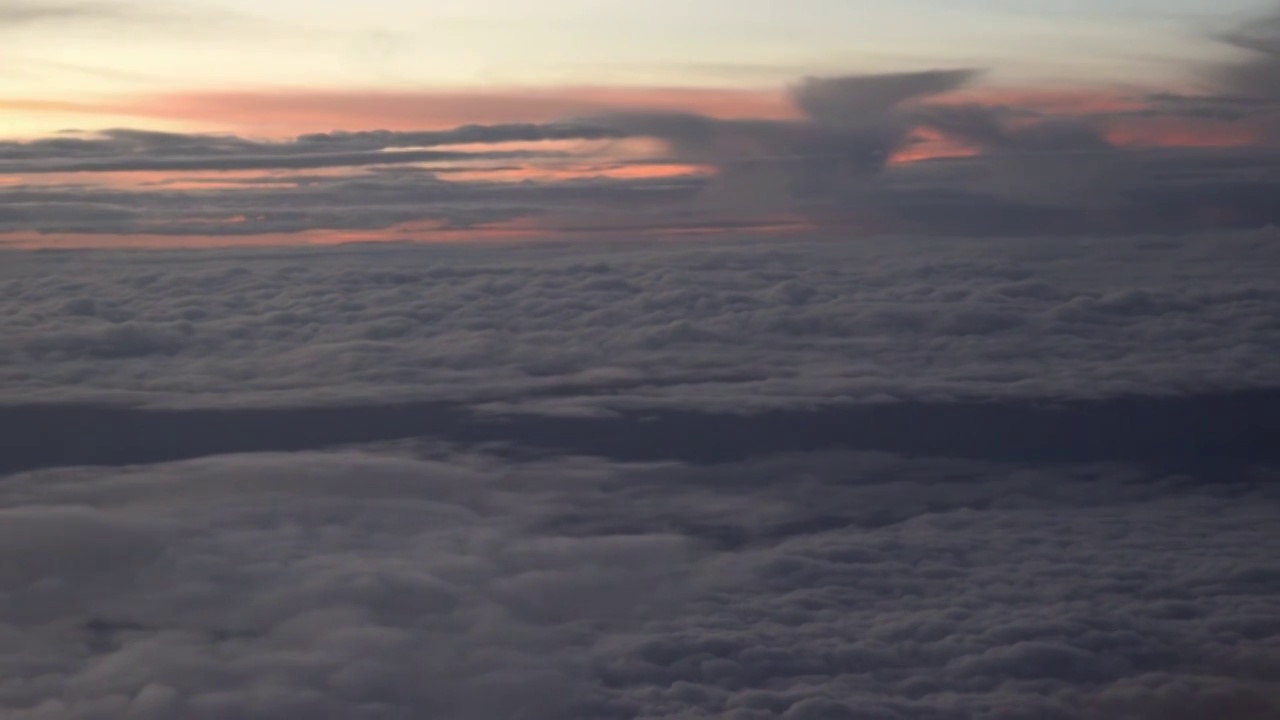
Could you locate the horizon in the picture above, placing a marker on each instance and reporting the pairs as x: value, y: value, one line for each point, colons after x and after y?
x: 1074, y: 98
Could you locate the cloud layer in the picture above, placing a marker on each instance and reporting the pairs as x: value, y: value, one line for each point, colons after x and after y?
x: 385, y: 586
x: 989, y: 437
x: 714, y: 324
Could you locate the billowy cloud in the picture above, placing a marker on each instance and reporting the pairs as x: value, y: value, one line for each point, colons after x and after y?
x: 850, y: 128
x: 397, y: 583
x: 729, y: 323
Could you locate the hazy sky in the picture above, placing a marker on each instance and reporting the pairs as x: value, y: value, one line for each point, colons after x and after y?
x: 56, y: 53
x: 53, y: 47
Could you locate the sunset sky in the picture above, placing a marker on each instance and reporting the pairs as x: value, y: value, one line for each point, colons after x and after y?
x: 175, y: 85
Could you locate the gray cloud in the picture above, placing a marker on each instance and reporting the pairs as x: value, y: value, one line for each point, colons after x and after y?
x: 574, y: 328
x: 394, y: 584
x: 252, y: 162
x: 1007, y: 192
x: 1241, y: 92
x: 380, y: 198
x: 852, y: 126
x: 1037, y: 172
x: 1254, y: 77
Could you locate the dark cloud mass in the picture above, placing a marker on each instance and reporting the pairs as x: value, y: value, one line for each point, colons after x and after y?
x: 124, y: 150
x: 851, y: 128
x: 382, y: 585
x: 1256, y: 76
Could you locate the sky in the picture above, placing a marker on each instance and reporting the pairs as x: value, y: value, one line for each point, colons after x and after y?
x: 60, y: 52
x: 190, y: 123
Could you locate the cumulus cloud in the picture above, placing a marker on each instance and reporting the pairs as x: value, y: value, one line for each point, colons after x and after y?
x: 391, y: 585
x: 1035, y: 170
x: 715, y: 324
x: 850, y: 127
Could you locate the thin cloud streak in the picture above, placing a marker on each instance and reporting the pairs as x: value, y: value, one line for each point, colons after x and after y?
x: 15, y: 14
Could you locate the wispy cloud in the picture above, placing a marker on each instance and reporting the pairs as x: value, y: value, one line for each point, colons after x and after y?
x: 133, y: 150
x: 18, y: 13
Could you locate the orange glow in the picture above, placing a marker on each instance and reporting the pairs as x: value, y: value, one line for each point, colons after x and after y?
x: 321, y: 236
x: 292, y: 112
x: 171, y: 179
x: 929, y: 144
x: 617, y: 148
x: 37, y: 105
x: 1163, y: 132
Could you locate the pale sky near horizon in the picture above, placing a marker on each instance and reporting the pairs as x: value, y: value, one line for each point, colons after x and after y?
x: 55, y: 54
x: 102, y: 47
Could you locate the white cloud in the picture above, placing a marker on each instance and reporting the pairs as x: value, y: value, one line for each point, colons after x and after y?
x: 708, y: 324
x: 360, y: 585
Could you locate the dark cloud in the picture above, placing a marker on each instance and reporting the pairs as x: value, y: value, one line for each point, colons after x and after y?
x: 292, y: 203
x: 1036, y: 172
x: 415, y: 581
x: 251, y: 162
x: 870, y: 100
x: 1257, y: 76
x: 851, y: 126
x: 1009, y: 540
x: 1194, y: 434
x: 125, y: 150
x: 380, y: 196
